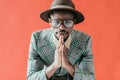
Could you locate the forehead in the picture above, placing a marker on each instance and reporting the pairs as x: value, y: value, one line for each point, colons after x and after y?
x: 61, y: 15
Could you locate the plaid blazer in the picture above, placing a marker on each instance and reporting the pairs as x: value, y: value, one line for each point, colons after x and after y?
x: 41, y: 55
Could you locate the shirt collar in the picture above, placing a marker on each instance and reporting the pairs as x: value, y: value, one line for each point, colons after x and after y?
x: 67, y: 42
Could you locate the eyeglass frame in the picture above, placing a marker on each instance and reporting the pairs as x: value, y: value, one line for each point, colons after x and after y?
x: 62, y: 22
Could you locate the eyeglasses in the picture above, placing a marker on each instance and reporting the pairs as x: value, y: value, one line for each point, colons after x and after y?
x: 68, y: 23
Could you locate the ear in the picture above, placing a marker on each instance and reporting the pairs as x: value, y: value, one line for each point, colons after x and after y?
x: 49, y: 21
x: 74, y: 21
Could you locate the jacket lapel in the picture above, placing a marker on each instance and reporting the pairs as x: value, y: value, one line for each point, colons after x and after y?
x: 46, y: 47
x: 77, y: 47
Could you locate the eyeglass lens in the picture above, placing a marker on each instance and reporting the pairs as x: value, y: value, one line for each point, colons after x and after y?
x: 67, y: 23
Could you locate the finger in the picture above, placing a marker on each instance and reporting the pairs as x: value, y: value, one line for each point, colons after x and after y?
x: 62, y: 39
x: 62, y: 49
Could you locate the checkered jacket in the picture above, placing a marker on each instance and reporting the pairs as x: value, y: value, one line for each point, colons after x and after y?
x: 41, y: 55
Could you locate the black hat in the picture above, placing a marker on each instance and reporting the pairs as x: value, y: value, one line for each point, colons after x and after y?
x: 66, y: 5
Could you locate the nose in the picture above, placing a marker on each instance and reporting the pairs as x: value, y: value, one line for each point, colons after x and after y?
x: 62, y: 27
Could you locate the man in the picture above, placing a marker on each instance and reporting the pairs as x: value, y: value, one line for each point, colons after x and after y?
x: 60, y: 52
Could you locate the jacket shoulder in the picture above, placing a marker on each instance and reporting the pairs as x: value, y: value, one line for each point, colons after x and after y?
x: 42, y: 34
x: 79, y: 35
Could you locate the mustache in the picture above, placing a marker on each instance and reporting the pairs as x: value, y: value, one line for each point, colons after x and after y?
x: 62, y: 31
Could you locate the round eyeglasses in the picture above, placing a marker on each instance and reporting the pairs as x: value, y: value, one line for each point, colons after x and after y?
x: 68, y: 23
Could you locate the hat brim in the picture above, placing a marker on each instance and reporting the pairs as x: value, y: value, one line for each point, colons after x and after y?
x: 78, y: 15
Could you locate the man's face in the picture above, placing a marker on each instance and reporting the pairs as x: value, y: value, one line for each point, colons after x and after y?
x: 62, y: 24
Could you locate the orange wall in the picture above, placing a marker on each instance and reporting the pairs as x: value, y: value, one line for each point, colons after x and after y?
x: 19, y: 18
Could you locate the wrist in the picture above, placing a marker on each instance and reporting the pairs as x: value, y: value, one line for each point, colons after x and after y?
x: 69, y: 66
x: 54, y: 66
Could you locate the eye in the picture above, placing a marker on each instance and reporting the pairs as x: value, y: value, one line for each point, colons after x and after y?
x: 68, y: 23
x: 55, y: 23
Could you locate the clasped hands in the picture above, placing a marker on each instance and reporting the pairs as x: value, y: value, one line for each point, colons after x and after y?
x: 61, y: 57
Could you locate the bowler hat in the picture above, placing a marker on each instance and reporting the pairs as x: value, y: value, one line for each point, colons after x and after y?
x: 65, y: 5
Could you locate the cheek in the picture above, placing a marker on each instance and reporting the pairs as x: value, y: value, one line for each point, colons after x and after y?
x: 69, y: 30
x: 54, y: 30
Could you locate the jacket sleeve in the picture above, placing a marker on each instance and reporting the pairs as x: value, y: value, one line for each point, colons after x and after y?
x: 84, y: 69
x: 36, y: 69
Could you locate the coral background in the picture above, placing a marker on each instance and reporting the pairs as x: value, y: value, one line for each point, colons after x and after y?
x: 19, y: 18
